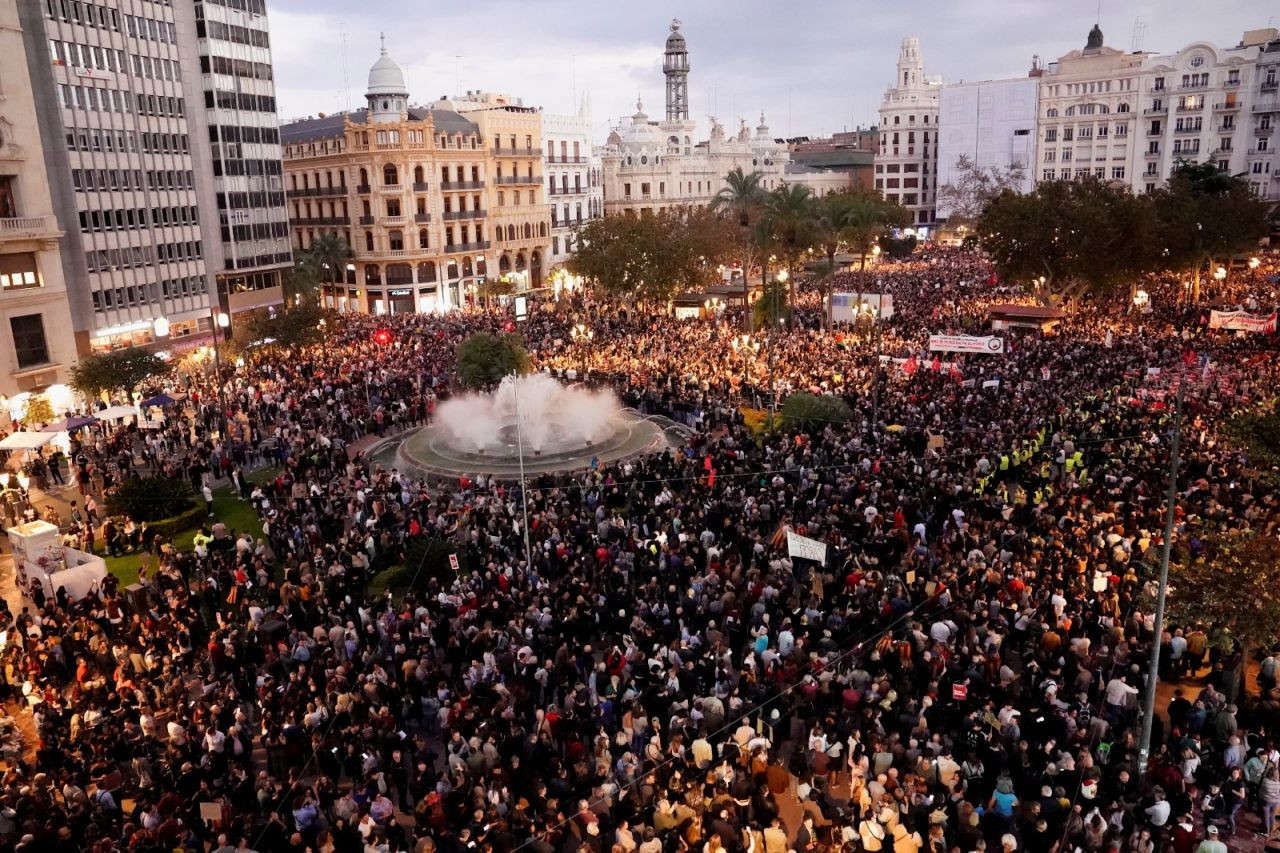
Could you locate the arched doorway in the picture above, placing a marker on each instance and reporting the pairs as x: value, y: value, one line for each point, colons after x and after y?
x: 504, y: 265
x: 535, y: 269
x: 426, y: 272
x: 468, y: 269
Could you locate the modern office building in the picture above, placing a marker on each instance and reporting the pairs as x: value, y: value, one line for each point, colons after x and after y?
x: 36, y: 343
x: 244, y: 142
x: 121, y: 113
x: 906, y: 166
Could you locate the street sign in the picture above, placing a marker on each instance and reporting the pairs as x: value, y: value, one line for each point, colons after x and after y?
x: 522, y: 308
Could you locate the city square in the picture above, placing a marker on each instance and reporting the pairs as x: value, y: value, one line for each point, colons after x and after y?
x: 460, y: 475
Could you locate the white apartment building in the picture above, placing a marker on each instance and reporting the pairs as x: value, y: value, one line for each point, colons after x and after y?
x: 994, y: 123
x: 1261, y: 163
x: 906, y: 166
x: 36, y: 343
x: 574, y: 186
x: 1196, y: 106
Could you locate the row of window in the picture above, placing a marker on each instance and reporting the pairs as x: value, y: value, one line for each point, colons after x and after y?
x: 19, y: 269
x: 84, y: 56
x: 1117, y: 173
x: 130, y: 218
x: 154, y: 292
x: 239, y: 101
x: 117, y: 101
x: 231, y: 33
x: 105, y: 180
x: 123, y: 142
x: 254, y: 200
x: 128, y: 257
x: 894, y: 168
x: 85, y: 14
x: 1086, y: 131
x: 1065, y: 155
x: 244, y: 133
x: 252, y: 167
x: 255, y: 231
x: 1096, y: 87
x: 149, y: 29
x: 235, y: 67
x: 257, y: 7
x: 1086, y: 110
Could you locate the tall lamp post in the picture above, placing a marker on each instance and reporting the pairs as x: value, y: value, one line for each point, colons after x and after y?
x: 777, y: 321
x: 747, y: 348
x: 582, y: 336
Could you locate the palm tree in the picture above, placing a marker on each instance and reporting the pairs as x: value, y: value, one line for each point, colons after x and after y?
x: 301, y: 281
x: 832, y: 210
x: 793, y: 213
x: 742, y: 199
x: 332, y: 252
x: 867, y: 217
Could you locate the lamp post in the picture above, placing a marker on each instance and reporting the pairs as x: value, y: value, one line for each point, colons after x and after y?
x: 777, y: 321
x: 8, y: 487
x: 747, y: 348
x: 582, y: 337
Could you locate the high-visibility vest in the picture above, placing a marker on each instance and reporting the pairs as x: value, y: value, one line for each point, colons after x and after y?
x: 1004, y: 462
x: 1071, y: 464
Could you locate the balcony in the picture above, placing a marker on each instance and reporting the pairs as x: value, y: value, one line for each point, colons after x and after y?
x: 421, y: 217
x: 528, y: 151
x: 1263, y: 131
x: 366, y: 220
x: 1231, y: 84
x: 454, y: 215
x: 391, y: 188
x: 23, y: 227
x: 1155, y: 131
x: 455, y: 248
x: 419, y: 186
x: 1269, y: 85
x: 462, y: 185
x: 1152, y: 111
x: 320, y: 220
x: 1225, y: 106
x: 520, y: 179
x: 554, y: 190
x: 1151, y: 155
x: 1193, y: 108
x: 363, y: 189
x: 1267, y: 105
x: 566, y: 159
x: 393, y: 253
x: 1185, y: 130
x: 311, y: 192
x: 394, y: 220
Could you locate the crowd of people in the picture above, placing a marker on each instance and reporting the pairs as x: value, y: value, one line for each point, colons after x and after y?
x: 964, y: 671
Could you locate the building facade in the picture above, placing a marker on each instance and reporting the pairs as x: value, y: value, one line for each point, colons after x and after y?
x: 653, y: 165
x: 574, y: 189
x: 906, y: 166
x: 431, y: 200
x: 1263, y: 164
x: 993, y: 123
x: 36, y: 344
x: 118, y: 97
x: 1196, y: 107
x: 237, y: 77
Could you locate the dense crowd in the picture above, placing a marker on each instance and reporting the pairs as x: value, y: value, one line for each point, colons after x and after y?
x: 964, y: 672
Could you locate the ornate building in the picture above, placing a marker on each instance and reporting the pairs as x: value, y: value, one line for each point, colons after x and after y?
x: 907, y: 163
x: 431, y: 200
x: 1263, y: 164
x: 651, y: 165
x: 573, y: 182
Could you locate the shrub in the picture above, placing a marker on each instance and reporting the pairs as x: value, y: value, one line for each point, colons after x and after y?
x: 811, y: 410
x: 181, y: 523
x: 151, y: 498
x: 484, y: 359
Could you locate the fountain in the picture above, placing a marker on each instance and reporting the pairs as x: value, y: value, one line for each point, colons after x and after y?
x: 562, y: 428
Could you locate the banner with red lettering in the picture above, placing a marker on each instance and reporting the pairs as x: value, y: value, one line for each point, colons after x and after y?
x: 1243, y: 321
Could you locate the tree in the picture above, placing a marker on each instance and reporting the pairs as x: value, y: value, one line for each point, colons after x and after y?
x: 868, y: 217
x: 743, y: 200
x: 118, y: 370
x: 303, y: 280
x: 151, y: 498
x: 806, y: 410
x: 302, y: 324
x: 793, y: 215
x: 37, y: 410
x: 1235, y: 582
x: 652, y: 257
x: 332, y: 254
x: 771, y: 308
x: 1067, y: 237
x: 973, y: 187
x: 491, y: 288
x: 1203, y: 213
x: 484, y: 359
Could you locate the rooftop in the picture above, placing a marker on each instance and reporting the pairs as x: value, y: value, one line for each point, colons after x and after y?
x: 330, y: 126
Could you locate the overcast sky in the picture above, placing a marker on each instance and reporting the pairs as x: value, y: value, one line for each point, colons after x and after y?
x: 813, y: 66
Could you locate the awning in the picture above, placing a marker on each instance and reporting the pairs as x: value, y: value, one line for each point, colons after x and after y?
x: 157, y: 400
x: 69, y: 424
x: 26, y: 440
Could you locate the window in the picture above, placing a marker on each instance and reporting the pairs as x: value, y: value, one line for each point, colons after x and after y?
x: 19, y: 270
x: 28, y: 340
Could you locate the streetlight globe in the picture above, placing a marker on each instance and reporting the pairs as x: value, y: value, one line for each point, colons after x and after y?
x: 223, y: 319
x: 161, y: 327
x: 23, y: 480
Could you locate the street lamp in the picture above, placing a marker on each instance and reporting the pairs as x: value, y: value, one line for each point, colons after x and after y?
x: 1254, y: 263
x: 161, y: 327
x: 1141, y: 299
x: 582, y: 335
x: 1220, y: 274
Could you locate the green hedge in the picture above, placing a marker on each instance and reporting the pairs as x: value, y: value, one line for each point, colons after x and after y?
x: 151, y: 498
x: 812, y: 410
x: 171, y: 527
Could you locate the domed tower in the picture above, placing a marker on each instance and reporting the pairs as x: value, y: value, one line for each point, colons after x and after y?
x: 910, y: 64
x: 675, y: 66
x: 388, y: 96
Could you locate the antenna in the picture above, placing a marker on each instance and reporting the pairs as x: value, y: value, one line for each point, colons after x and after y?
x: 1098, y: 20
x: 1139, y: 34
x: 346, y: 80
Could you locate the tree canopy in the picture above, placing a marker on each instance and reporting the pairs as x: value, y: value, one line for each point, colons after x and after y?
x: 1209, y: 589
x: 484, y: 359
x: 973, y: 187
x: 1066, y: 237
x: 653, y: 256
x: 118, y: 370
x: 301, y: 324
x: 1203, y: 213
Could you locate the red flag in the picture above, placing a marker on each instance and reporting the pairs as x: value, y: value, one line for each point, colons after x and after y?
x: 706, y: 462
x: 937, y: 364
x: 711, y: 478
x: 955, y: 372
x: 911, y: 366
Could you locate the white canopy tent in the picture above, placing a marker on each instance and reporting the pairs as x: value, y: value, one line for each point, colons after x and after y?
x: 115, y: 413
x: 26, y: 440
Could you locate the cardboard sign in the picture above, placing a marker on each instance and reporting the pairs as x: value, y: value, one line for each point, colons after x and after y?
x: 453, y: 562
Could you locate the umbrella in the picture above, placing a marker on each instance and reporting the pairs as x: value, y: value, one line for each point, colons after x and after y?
x: 115, y: 413
x: 26, y: 440
x: 157, y: 400
x: 69, y: 424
